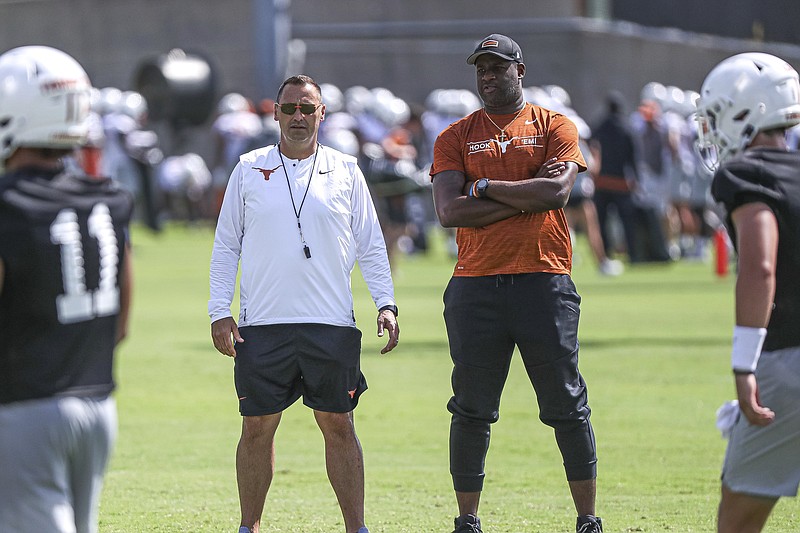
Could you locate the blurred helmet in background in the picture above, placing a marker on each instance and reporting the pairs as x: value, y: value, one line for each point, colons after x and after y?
x: 232, y: 102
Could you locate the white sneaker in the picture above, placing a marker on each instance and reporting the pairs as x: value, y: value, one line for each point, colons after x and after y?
x: 611, y: 267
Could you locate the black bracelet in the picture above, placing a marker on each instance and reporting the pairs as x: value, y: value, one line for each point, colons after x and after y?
x: 392, y: 308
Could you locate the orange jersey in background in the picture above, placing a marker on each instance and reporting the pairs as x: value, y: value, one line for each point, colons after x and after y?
x: 528, y: 242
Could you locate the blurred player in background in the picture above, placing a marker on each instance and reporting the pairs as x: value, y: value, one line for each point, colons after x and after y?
x: 234, y: 129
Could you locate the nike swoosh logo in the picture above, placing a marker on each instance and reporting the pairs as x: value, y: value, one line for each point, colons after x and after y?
x: 325, y: 171
x: 529, y: 122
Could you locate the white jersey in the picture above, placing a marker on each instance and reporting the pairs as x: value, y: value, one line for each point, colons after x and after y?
x: 258, y: 225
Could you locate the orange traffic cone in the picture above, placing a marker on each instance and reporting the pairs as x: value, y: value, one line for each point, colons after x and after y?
x: 721, y: 249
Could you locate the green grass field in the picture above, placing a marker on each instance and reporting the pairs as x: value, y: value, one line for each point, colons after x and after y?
x: 654, y: 352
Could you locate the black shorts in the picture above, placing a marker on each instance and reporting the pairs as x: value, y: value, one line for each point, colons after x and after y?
x: 278, y: 363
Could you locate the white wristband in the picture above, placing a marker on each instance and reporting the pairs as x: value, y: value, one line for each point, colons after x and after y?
x: 747, y: 343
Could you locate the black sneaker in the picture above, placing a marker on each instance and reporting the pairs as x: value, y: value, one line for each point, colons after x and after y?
x: 589, y: 524
x: 468, y: 523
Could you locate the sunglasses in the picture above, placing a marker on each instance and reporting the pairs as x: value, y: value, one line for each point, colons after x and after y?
x: 306, y: 109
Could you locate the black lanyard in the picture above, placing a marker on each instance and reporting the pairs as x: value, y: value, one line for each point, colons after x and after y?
x: 306, y: 249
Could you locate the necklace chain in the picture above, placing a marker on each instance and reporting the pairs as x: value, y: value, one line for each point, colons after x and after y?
x: 503, y: 130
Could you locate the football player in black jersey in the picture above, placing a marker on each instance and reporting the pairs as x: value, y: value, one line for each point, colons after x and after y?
x: 746, y: 104
x: 64, y: 296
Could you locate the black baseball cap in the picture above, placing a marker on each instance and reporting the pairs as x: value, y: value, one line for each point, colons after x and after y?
x: 499, y: 45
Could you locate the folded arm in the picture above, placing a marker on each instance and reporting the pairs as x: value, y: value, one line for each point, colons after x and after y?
x: 549, y: 189
x: 455, y: 209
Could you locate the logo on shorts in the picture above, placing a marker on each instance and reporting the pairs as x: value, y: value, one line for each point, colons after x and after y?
x: 352, y: 393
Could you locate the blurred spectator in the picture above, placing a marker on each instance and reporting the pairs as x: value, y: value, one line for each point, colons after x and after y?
x: 117, y: 125
x: 654, y: 156
x: 690, y: 183
x: 339, y: 129
x: 90, y: 154
x: 580, y: 210
x: 142, y: 146
x: 613, y: 148
x: 130, y: 152
x: 185, y: 181
x: 392, y: 175
x: 581, y: 214
x: 270, y: 131
x: 442, y: 108
x: 234, y: 129
x: 389, y: 160
x: 419, y: 205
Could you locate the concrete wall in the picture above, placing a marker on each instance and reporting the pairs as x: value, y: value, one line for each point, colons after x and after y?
x: 408, y: 46
x: 587, y: 57
x: 110, y: 37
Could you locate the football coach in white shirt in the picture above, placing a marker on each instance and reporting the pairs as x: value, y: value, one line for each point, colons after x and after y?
x: 297, y: 216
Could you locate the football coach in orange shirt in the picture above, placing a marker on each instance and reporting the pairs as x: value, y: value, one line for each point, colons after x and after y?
x: 502, y: 176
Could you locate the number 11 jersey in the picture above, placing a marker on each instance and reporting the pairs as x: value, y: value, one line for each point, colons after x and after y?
x: 62, y: 244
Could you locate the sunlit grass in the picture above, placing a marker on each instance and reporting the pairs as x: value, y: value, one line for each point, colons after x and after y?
x: 654, y: 352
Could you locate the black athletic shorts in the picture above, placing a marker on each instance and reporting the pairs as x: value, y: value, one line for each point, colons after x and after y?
x: 278, y: 363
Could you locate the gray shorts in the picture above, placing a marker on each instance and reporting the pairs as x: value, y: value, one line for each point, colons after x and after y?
x: 54, y: 453
x: 765, y: 461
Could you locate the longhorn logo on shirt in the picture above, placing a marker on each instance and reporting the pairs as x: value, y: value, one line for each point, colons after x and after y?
x: 503, y: 144
x: 267, y: 172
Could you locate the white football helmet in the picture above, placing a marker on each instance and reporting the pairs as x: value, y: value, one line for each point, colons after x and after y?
x: 110, y: 100
x: 232, y: 103
x: 653, y: 91
x: 332, y: 97
x: 388, y: 108
x: 452, y: 102
x: 741, y: 96
x: 134, y: 105
x: 559, y: 94
x: 44, y: 100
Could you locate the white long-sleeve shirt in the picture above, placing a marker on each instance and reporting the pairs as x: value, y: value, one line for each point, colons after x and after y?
x: 257, y: 226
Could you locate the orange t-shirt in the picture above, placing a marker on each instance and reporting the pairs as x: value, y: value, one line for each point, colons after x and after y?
x: 528, y: 242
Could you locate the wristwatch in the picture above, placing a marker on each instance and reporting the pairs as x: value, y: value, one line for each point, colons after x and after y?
x: 480, y: 187
x: 392, y: 308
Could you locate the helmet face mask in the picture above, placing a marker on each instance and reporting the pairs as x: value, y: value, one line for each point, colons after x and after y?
x: 742, y: 96
x: 45, y: 100
x: 711, y: 140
